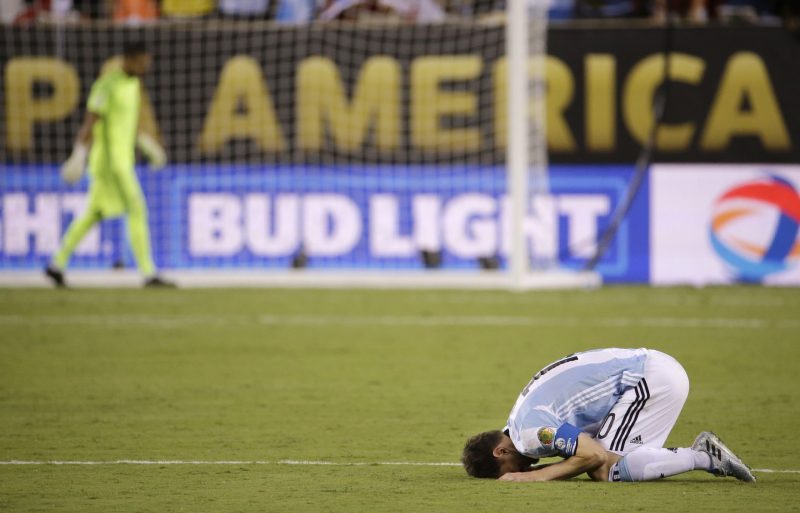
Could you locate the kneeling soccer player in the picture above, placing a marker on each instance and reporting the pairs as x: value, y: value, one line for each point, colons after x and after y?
x: 608, y: 413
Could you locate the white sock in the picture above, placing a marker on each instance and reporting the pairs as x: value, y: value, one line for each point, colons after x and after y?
x: 702, y: 460
x: 647, y: 464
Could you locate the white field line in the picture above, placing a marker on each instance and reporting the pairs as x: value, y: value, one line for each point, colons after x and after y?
x: 498, y: 321
x: 233, y: 463
x: 279, y: 462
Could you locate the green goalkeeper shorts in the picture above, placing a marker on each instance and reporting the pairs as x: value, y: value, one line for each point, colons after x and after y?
x: 113, y: 194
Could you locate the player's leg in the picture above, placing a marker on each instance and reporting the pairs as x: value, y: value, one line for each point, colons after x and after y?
x: 139, y: 233
x: 707, y: 453
x: 641, y: 421
x: 77, y: 230
x: 648, y: 464
x: 645, y: 414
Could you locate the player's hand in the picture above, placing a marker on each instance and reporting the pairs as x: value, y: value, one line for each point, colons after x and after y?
x: 154, y: 152
x: 72, y: 170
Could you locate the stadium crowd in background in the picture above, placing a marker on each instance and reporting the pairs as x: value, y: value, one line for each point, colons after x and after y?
x: 414, y: 11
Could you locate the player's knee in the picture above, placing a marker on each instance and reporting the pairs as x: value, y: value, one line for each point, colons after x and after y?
x: 137, y: 207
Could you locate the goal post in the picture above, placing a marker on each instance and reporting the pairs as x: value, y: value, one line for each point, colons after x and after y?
x: 517, y: 160
x: 527, y: 154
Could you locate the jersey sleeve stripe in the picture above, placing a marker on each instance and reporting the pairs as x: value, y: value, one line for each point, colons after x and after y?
x: 605, y: 388
x: 601, y: 389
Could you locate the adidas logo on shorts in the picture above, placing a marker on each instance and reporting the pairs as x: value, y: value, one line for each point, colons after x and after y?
x: 637, y: 440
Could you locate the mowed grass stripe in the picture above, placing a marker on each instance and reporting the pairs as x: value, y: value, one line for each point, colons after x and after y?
x: 173, y: 320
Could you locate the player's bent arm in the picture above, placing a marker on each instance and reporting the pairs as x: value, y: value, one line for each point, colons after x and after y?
x: 601, y: 473
x: 589, y: 457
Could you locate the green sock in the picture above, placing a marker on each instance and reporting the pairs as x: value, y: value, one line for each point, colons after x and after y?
x: 77, y: 230
x: 139, y: 238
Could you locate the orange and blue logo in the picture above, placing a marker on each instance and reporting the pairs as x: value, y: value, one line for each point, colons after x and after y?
x: 754, y: 228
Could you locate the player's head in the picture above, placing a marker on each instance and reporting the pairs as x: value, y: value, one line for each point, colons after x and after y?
x: 492, y: 454
x: 136, y: 58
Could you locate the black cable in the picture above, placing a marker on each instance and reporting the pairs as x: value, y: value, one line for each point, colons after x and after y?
x: 645, y: 156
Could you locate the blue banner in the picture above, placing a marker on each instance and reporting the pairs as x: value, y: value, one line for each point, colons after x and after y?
x: 354, y: 217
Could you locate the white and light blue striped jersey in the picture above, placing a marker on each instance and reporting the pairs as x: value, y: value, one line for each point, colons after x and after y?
x: 579, y: 389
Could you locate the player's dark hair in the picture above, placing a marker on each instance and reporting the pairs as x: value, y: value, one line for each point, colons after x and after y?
x: 133, y: 48
x: 478, y: 456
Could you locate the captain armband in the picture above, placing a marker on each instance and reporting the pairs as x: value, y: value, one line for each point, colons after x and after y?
x: 566, y: 442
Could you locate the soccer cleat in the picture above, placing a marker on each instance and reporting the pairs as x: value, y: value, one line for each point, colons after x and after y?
x: 157, y: 282
x: 723, y: 461
x: 56, y: 276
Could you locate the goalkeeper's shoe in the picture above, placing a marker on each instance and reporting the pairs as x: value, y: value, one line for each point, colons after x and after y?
x: 157, y: 282
x: 56, y: 276
x: 723, y: 460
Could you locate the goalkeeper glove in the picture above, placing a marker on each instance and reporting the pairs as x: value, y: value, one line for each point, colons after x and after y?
x: 72, y: 170
x: 155, y: 154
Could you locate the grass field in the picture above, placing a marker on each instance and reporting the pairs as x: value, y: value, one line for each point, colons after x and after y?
x: 360, y: 379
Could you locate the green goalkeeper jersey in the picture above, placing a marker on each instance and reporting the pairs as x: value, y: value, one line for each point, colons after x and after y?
x: 115, y: 97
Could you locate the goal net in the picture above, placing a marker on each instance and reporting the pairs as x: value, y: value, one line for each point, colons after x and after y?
x: 342, y: 147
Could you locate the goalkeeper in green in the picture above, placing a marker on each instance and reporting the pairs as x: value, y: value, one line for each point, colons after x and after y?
x: 111, y: 130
